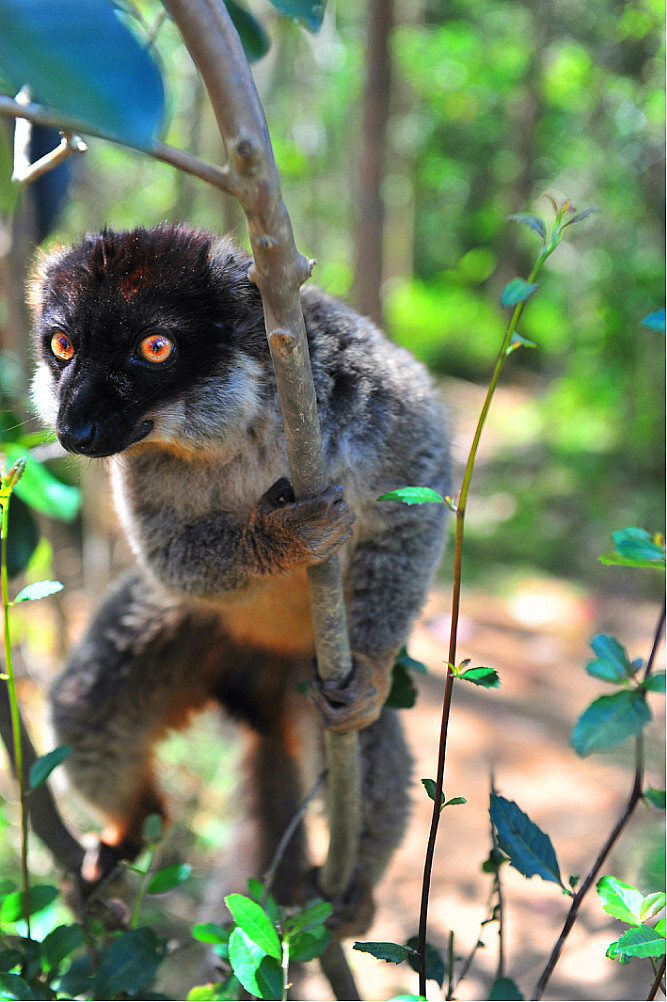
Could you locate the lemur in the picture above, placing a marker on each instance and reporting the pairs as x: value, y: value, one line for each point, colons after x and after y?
x: 153, y: 360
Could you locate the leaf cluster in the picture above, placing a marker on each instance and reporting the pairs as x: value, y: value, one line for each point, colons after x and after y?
x: 628, y: 904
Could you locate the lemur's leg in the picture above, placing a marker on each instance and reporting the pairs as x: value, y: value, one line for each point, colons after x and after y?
x: 145, y: 662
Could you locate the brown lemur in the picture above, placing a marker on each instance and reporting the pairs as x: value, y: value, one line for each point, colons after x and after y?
x: 153, y: 359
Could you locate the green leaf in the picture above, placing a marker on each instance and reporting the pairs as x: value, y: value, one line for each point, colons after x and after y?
x: 309, y: 944
x: 517, y: 291
x: 153, y: 829
x: 169, y: 877
x: 656, y: 321
x: 652, y: 905
x: 210, y: 932
x: 486, y: 677
x: 584, y: 214
x: 532, y: 222
x: 516, y: 341
x: 60, y: 944
x: 254, y: 39
x: 40, y: 489
x: 258, y: 973
x: 504, y: 988
x: 655, y: 683
x: 430, y: 787
x: 455, y: 801
x: 434, y: 963
x: 42, y: 767
x: 14, y: 987
x: 642, y: 941
x: 414, y: 495
x: 41, y: 896
x: 614, y: 953
x: 128, y: 964
x: 529, y: 848
x: 392, y: 953
x: 655, y: 797
x: 404, y: 659
x: 636, y: 548
x: 255, y: 923
x: 310, y: 13
x: 613, y: 664
x: 661, y: 926
x: 81, y: 60
x: 22, y: 538
x: 620, y: 900
x: 229, y: 989
x: 609, y: 721
x: 311, y: 917
x: 40, y: 589
x: 9, y: 959
x: 403, y: 692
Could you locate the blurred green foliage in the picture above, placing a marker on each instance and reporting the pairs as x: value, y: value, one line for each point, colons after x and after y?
x: 493, y: 104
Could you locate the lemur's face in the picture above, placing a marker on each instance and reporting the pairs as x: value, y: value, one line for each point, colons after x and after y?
x: 126, y: 326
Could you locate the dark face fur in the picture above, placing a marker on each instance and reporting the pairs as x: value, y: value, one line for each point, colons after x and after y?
x: 128, y: 324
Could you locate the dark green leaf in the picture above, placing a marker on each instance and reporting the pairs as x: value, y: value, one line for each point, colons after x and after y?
x: 14, y: 987
x: 430, y: 787
x: 61, y: 943
x: 40, y: 489
x: 169, y: 877
x: 153, y: 828
x: 403, y: 692
x: 486, y: 677
x: 655, y: 683
x: 9, y: 959
x: 655, y: 797
x: 532, y: 222
x: 311, y: 917
x: 391, y: 952
x: 129, y: 963
x: 254, y: 39
x: 620, y: 900
x: 42, y: 767
x: 529, y: 849
x: 255, y: 923
x: 404, y: 659
x: 210, y: 932
x: 310, y: 13
x: 37, y: 590
x: 413, y: 495
x: 613, y: 663
x: 78, y: 979
x: 435, y: 965
x: 656, y: 321
x: 309, y: 944
x: 81, y: 60
x: 504, y: 988
x: 517, y: 291
x: 608, y: 721
x: 41, y: 897
x: 22, y: 538
x: 642, y: 941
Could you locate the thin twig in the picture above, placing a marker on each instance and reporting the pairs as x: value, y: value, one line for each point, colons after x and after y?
x: 633, y: 800
x: 68, y: 146
x: 660, y: 973
x: 270, y: 874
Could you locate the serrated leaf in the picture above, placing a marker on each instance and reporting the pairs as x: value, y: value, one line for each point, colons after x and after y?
x: 37, y: 590
x: 128, y: 964
x: 614, y: 953
x: 529, y: 848
x: 518, y: 290
x: 656, y: 321
x: 656, y: 797
x: 42, y: 767
x: 41, y: 896
x: 486, y: 677
x: 455, y: 802
x: 430, y: 787
x: 652, y: 905
x: 505, y: 988
x: 642, y: 941
x: 609, y: 721
x: 620, y: 900
x: 258, y: 973
x: 392, y: 953
x: 169, y: 877
x: 310, y: 13
x: 210, y: 932
x: 14, y: 987
x: 414, y: 495
x: 254, y: 39
x: 433, y: 961
x: 41, y: 490
x: 255, y: 923
x: 613, y: 663
x: 655, y: 682
x: 81, y: 60
x: 532, y: 222
x: 60, y: 944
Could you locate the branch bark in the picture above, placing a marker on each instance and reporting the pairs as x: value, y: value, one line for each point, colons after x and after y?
x: 279, y: 270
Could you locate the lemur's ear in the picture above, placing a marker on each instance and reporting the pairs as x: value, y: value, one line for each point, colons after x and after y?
x: 42, y: 265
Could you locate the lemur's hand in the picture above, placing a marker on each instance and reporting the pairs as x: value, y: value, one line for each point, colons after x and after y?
x: 288, y: 533
x: 358, y: 701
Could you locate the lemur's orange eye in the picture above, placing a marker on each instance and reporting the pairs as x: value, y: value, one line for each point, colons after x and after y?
x: 62, y: 347
x: 156, y: 348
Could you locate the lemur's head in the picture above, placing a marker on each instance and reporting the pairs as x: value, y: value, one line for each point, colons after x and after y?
x: 146, y: 336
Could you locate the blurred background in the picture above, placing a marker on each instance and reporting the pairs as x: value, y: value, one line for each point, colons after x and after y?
x: 406, y: 132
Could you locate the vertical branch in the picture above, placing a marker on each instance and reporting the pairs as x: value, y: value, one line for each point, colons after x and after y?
x: 279, y: 270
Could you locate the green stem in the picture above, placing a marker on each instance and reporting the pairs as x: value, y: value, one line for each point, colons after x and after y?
x: 141, y: 890
x: 285, y: 966
x: 5, y: 495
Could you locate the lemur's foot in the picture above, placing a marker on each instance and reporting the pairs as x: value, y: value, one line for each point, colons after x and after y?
x: 355, y: 703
